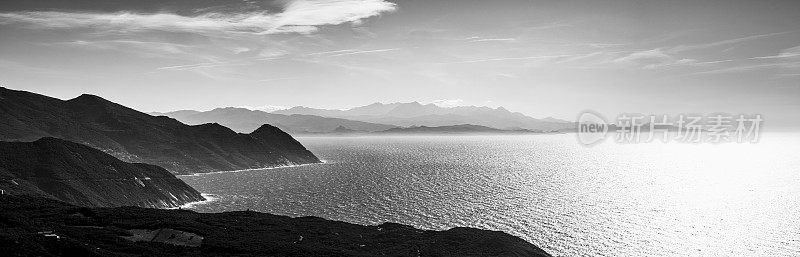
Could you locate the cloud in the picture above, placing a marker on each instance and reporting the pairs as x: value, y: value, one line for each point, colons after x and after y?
x: 793, y: 52
x: 269, y: 54
x: 506, y: 75
x: 785, y: 67
x: 785, y: 62
x: 333, y: 52
x: 581, y: 57
x: 541, y: 57
x: 365, y: 52
x: 651, y: 59
x: 478, y: 39
x: 298, y: 16
x: 726, y: 42
x: 201, y: 65
x: 138, y: 47
x: 239, y: 50
x: 448, y: 103
x: 331, y: 12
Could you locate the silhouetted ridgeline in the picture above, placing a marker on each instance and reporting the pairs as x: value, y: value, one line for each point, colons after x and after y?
x: 244, y: 120
x: 82, y: 175
x: 134, y: 136
x: 417, y: 114
x: 75, y: 231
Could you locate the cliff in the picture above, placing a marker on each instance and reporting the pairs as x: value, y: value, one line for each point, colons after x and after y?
x: 81, y: 175
x: 134, y: 136
x: 41, y: 227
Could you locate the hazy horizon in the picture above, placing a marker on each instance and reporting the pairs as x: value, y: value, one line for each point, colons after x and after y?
x: 540, y: 58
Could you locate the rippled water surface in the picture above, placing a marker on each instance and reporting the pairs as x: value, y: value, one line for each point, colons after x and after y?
x: 612, y: 199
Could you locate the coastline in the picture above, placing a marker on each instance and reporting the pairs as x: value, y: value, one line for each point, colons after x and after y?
x: 209, y: 198
x: 70, y: 230
x: 236, y: 171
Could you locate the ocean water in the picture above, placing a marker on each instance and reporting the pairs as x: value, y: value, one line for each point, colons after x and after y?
x: 654, y: 199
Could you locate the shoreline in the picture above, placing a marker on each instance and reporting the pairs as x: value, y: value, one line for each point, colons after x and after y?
x: 102, y: 232
x: 236, y: 171
x: 209, y: 198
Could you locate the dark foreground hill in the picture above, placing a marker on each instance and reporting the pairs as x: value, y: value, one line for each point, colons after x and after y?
x: 82, y: 175
x: 41, y: 227
x: 134, y: 136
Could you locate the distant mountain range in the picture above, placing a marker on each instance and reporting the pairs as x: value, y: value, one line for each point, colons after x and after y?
x: 81, y: 175
x: 134, y: 136
x: 417, y: 114
x: 244, y: 121
x: 371, y: 118
x: 454, y: 129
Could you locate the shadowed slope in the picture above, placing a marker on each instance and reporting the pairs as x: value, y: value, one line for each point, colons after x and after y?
x: 81, y: 175
x: 100, y: 232
x: 134, y: 136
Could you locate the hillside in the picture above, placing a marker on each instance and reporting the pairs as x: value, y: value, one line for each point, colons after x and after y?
x: 41, y: 227
x: 134, y: 136
x: 82, y: 175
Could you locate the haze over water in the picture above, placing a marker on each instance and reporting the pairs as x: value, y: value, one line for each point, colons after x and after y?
x: 651, y: 199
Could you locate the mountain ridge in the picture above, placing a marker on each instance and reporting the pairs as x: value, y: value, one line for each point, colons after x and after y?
x: 417, y: 114
x: 245, y: 120
x: 374, y: 117
x: 134, y: 136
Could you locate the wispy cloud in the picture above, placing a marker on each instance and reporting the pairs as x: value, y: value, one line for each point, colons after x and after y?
x: 142, y: 48
x: 478, y: 39
x: 785, y: 62
x: 581, y: 57
x: 751, y: 67
x: 332, y: 52
x: 540, y: 57
x: 786, y: 53
x: 366, y: 52
x: 506, y: 75
x: 201, y: 65
x: 298, y: 16
x: 651, y: 59
x: 681, y: 48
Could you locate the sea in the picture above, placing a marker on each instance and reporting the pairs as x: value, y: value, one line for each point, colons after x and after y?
x: 611, y: 199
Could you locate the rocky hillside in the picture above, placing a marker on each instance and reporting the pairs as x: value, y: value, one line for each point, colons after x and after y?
x: 134, y: 136
x: 81, y: 175
x: 41, y: 227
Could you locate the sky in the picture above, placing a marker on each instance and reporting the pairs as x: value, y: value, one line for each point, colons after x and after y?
x: 541, y: 58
